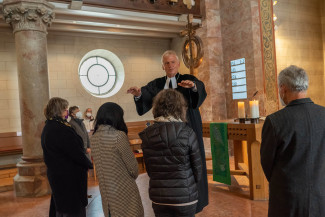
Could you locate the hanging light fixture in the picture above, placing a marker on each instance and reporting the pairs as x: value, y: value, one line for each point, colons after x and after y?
x: 275, y: 2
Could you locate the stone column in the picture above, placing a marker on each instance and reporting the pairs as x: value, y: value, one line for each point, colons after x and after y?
x: 29, y: 20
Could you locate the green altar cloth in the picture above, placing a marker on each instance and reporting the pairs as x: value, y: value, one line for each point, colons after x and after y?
x: 220, y: 155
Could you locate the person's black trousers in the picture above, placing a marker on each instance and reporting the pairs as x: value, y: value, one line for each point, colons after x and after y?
x: 174, y: 211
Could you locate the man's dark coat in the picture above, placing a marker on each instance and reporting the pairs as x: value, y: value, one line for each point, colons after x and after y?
x: 293, y: 159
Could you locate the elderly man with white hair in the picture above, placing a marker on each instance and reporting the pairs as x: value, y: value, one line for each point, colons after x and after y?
x: 293, y: 150
x: 194, y: 93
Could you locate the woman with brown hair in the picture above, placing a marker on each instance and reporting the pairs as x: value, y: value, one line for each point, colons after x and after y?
x: 66, y: 162
x: 172, y: 157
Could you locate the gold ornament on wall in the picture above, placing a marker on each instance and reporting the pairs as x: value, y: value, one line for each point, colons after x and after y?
x: 189, y: 3
x: 192, y: 53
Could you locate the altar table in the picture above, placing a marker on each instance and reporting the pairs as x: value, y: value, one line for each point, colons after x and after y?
x: 247, y: 143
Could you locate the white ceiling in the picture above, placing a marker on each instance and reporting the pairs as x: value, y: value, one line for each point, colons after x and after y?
x: 102, y: 21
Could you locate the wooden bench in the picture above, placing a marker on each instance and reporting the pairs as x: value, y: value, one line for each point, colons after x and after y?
x: 10, y: 144
x: 134, y: 128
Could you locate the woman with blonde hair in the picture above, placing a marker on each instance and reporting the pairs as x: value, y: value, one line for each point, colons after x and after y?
x: 66, y: 162
x: 116, y: 166
x: 172, y: 157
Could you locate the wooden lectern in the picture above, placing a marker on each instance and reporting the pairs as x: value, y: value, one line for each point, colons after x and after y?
x: 247, y: 143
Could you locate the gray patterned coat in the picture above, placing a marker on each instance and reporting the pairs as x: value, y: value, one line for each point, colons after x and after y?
x: 116, y: 169
x: 79, y: 127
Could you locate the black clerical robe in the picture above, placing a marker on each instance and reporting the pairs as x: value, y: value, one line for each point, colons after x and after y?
x: 194, y: 100
x: 293, y: 159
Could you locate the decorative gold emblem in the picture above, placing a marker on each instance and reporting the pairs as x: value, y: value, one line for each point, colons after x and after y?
x: 192, y: 52
x: 189, y: 3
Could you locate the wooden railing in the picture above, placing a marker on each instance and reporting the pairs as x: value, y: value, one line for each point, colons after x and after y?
x: 10, y: 144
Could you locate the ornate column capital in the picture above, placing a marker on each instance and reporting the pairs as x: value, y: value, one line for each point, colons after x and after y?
x: 24, y: 15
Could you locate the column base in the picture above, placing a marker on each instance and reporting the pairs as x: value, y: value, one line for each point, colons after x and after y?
x: 31, y: 180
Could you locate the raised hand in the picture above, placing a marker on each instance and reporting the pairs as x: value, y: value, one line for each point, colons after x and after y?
x: 135, y: 91
x: 186, y: 84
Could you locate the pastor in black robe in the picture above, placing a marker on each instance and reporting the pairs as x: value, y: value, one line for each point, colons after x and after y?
x: 194, y: 101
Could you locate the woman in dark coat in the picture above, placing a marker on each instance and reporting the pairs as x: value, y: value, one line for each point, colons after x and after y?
x: 172, y: 157
x: 66, y: 162
x: 78, y: 125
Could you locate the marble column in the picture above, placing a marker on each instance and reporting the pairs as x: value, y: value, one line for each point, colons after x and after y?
x: 211, y: 70
x: 29, y: 20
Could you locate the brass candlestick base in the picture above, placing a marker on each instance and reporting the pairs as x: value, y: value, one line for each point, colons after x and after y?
x: 243, y: 120
x: 254, y: 120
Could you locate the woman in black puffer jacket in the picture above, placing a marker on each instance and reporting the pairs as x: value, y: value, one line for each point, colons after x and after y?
x: 172, y: 157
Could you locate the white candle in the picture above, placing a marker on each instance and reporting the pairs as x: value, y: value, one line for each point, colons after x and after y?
x: 254, y: 109
x: 241, y: 109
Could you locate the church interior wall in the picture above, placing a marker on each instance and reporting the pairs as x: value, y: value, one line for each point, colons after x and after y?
x: 9, y: 97
x: 141, y: 58
x: 229, y: 31
x: 211, y: 69
x: 240, y: 28
x: 299, y: 41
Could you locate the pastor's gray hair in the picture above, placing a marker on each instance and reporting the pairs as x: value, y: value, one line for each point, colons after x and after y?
x: 294, y: 78
x: 167, y: 53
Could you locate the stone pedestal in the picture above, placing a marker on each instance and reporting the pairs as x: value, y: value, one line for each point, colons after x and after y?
x: 31, y: 180
x: 29, y: 20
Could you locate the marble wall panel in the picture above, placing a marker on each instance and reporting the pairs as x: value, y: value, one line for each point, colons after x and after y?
x: 300, y: 41
x: 210, y: 71
x: 230, y: 30
x: 241, y: 39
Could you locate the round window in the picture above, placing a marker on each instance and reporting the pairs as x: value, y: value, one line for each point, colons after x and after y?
x: 101, y: 73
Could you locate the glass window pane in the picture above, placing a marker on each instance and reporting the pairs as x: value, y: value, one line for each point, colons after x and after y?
x: 238, y: 68
x: 239, y: 95
x: 238, y: 75
x: 98, y: 75
x: 239, y: 82
x: 110, y: 84
x: 239, y: 89
x: 86, y: 64
x: 107, y: 65
x: 85, y: 82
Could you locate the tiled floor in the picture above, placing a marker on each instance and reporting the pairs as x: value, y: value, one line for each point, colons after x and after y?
x: 225, y: 201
